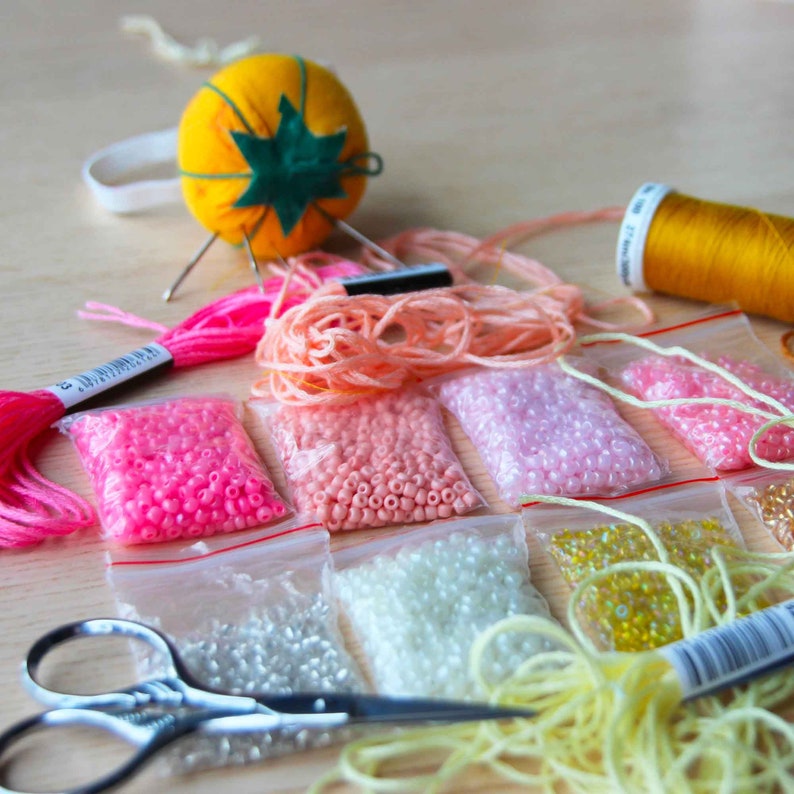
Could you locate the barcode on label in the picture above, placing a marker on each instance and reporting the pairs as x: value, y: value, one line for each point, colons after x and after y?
x: 734, y: 653
x: 80, y: 388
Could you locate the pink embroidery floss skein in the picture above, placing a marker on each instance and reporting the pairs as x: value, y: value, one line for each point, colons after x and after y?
x: 32, y: 507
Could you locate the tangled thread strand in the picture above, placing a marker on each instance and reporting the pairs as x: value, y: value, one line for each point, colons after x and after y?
x: 607, y: 722
x: 335, y: 348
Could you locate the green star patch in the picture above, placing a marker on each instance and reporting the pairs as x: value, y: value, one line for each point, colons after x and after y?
x: 293, y: 168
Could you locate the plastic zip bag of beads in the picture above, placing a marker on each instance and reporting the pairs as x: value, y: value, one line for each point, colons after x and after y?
x: 769, y: 496
x: 718, y: 435
x: 382, y: 460
x: 541, y: 431
x: 173, y: 468
x: 417, y: 599
x: 636, y: 609
x: 254, y: 612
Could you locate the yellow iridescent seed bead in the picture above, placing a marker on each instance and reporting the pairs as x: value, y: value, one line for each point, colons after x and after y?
x: 634, y: 611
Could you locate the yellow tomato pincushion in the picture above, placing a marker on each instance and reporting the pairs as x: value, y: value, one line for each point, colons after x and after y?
x: 266, y: 141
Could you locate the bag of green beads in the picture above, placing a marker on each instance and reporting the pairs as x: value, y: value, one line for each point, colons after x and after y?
x: 248, y: 613
x: 769, y: 496
x: 636, y: 609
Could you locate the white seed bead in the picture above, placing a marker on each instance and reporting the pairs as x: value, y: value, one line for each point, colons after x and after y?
x: 417, y: 612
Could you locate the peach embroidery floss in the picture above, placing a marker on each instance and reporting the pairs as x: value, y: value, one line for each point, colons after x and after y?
x: 336, y: 348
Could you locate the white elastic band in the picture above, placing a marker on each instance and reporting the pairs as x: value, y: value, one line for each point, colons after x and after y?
x: 104, y: 172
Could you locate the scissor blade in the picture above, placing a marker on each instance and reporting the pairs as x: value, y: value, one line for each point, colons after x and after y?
x: 376, y: 708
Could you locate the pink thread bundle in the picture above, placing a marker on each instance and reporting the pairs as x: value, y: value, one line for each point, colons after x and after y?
x: 540, y: 431
x: 182, y: 468
x: 716, y: 434
x: 32, y: 507
x: 380, y: 461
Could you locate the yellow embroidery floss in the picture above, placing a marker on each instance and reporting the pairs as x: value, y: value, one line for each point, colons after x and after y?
x: 708, y: 251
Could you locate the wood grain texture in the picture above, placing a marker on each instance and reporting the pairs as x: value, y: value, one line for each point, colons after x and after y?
x: 484, y: 114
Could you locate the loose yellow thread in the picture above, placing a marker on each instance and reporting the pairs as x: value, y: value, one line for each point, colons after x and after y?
x: 608, y: 723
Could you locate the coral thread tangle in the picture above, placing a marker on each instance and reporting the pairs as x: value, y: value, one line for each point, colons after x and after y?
x: 336, y: 348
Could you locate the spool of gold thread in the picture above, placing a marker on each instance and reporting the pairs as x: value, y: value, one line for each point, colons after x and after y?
x: 708, y: 251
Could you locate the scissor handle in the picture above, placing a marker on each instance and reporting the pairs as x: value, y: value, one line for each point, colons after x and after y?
x: 148, y: 734
x: 139, y: 695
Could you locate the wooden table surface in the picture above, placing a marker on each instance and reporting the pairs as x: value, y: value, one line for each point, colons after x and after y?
x: 485, y: 114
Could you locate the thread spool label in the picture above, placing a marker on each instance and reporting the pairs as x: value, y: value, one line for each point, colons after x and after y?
x: 82, y: 388
x: 735, y: 653
x: 634, y: 232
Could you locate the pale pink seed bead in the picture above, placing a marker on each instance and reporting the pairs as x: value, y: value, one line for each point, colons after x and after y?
x: 391, y: 502
x: 460, y: 506
x: 406, y: 504
x: 431, y: 513
x: 410, y: 489
x: 433, y: 498
x: 470, y: 498
x: 381, y: 490
x: 396, y: 486
x: 323, y: 512
x: 359, y: 501
x: 400, y: 516
x: 338, y: 512
x: 459, y: 486
x: 320, y: 498
x: 368, y: 517
x: 384, y: 515
x: 419, y: 514
x: 447, y: 496
x: 345, y: 496
x: 421, y: 497
x: 333, y: 526
x: 354, y: 516
x: 444, y: 510
x: 375, y: 501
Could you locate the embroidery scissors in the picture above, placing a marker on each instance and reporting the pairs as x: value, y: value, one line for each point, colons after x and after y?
x: 153, y: 713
